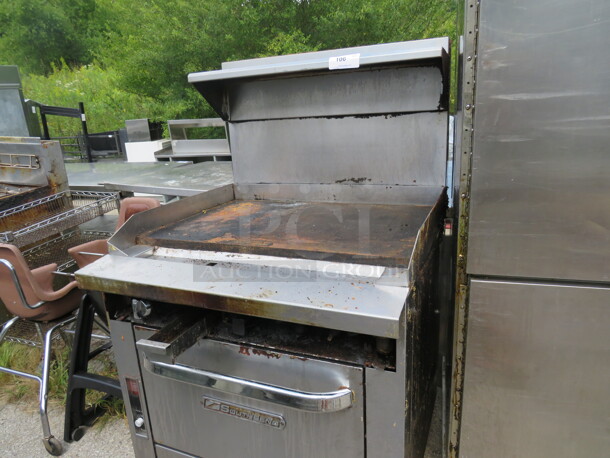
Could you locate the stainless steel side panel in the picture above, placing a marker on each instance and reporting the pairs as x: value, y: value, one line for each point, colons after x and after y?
x: 541, y: 170
x: 537, y: 378
x: 216, y: 434
x: 124, y: 349
x: 387, y: 150
x: 125, y: 237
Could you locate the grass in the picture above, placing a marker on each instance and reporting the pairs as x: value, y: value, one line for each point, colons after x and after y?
x: 28, y: 359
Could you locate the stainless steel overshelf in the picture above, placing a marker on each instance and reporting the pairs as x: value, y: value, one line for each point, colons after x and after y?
x: 369, y: 55
x: 350, y: 87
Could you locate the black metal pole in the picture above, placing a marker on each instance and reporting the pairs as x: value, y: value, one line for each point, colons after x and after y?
x: 45, y: 126
x: 83, y: 118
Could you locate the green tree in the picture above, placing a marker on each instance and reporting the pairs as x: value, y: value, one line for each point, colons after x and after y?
x: 38, y: 33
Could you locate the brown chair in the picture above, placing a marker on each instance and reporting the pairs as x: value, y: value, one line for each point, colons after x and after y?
x: 87, y: 253
x: 29, y: 295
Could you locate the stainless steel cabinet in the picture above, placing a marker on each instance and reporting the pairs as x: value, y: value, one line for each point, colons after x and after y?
x: 537, y: 375
x: 541, y: 164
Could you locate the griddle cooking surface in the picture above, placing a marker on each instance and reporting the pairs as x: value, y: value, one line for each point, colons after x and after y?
x: 358, y: 233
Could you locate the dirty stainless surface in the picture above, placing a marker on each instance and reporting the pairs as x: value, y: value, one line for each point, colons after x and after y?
x: 166, y: 178
x: 324, y: 231
x: 337, y: 151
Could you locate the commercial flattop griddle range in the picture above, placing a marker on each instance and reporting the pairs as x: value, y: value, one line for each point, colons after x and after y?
x: 293, y: 313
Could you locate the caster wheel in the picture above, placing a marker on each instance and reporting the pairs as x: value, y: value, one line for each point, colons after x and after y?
x: 78, y: 433
x: 53, y: 446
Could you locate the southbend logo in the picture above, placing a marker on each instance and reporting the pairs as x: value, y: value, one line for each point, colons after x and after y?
x: 257, y: 416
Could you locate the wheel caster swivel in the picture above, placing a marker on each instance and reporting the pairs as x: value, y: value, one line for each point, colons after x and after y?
x: 78, y: 433
x: 53, y: 446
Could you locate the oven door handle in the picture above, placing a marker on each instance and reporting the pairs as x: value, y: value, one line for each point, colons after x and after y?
x: 333, y: 401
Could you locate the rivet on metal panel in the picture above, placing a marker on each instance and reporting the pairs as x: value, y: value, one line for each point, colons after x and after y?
x: 468, y: 107
x: 469, y: 58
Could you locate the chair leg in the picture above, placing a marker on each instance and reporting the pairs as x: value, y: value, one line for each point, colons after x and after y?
x: 52, y: 444
x: 6, y: 326
x: 40, y: 333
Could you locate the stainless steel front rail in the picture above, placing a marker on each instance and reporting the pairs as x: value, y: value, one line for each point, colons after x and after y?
x: 333, y: 401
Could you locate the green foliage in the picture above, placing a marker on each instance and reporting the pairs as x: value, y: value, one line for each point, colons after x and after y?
x: 129, y: 59
x: 38, y: 33
x: 107, y: 105
x: 28, y: 359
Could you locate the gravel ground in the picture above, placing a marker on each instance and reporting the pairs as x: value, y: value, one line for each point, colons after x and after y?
x: 22, y: 433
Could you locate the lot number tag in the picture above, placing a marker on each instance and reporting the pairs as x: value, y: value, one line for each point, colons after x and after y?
x: 347, y: 61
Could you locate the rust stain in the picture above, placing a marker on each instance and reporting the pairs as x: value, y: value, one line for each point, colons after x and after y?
x: 267, y: 354
x: 327, y: 231
x: 353, y: 180
x: 244, y: 351
x: 264, y: 294
x: 300, y: 358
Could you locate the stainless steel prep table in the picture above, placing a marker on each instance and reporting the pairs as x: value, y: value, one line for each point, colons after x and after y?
x: 165, y: 178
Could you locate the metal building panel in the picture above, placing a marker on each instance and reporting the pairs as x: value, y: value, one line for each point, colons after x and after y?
x: 408, y: 150
x: 541, y: 167
x: 537, y: 374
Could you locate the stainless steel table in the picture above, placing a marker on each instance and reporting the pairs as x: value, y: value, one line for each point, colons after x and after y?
x: 165, y: 178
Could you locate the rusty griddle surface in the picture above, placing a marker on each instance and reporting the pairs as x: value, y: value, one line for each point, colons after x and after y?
x: 358, y: 233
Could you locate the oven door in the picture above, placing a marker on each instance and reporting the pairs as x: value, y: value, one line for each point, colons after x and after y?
x: 219, y: 400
